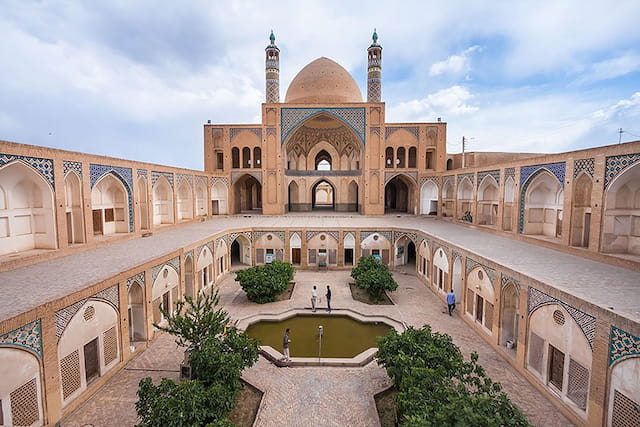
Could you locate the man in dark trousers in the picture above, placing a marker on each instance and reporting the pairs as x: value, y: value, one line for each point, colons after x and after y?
x: 285, y: 345
x: 328, y: 295
x: 451, y: 301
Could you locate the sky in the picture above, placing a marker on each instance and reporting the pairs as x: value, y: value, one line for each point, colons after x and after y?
x: 137, y: 79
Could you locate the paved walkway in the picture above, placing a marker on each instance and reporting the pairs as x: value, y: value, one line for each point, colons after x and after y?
x: 317, y: 396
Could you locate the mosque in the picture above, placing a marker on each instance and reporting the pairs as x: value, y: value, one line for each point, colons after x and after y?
x: 542, y: 251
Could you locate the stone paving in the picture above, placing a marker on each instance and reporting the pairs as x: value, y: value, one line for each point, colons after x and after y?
x: 316, y: 396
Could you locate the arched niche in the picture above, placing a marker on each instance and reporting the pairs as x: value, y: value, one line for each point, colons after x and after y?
x: 621, y: 220
x: 440, y: 270
x: 399, y: 195
x: 323, y: 249
x: 377, y: 245
x: 624, y: 392
x: 189, y: 286
x: 295, y: 203
x: 204, y: 268
x: 247, y: 193
x: 424, y: 259
x: 429, y: 198
x: 543, y: 200
x: 488, y: 196
x: 219, y: 194
x: 88, y: 348
x: 162, y: 202
x: 241, y: 251
x: 405, y: 252
x: 352, y: 197
x: 143, y: 202
x: 508, y: 204
x: 27, y: 219
x: 480, y: 298
x: 109, y: 205
x: 136, y: 316
x: 221, y: 254
x: 185, y: 201
x: 510, y: 314
x: 201, y: 198
x: 20, y: 388
x: 73, y: 208
x: 456, y: 279
x: 164, y: 292
x: 349, y: 245
x: 581, y: 210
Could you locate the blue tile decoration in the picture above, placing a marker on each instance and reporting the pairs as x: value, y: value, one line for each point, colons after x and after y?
x: 413, y: 130
x: 222, y: 179
x: 397, y: 235
x: 509, y: 172
x: 583, y: 165
x: 332, y: 234
x: 125, y: 175
x: 290, y: 118
x: 471, y: 264
x: 528, y: 174
x: 182, y: 176
x: 173, y: 263
x: 617, y: 164
x: 157, y: 174
x: 233, y: 132
x: 469, y: 176
x: 234, y: 236
x: 64, y: 316
x: 43, y: 166
x: 260, y: 233
x: 142, y: 172
x: 28, y: 336
x: 386, y: 234
x: 201, y: 180
x: 494, y: 173
x: 622, y: 344
x: 504, y: 281
x: 140, y: 278
x: 586, y: 322
x: 68, y: 166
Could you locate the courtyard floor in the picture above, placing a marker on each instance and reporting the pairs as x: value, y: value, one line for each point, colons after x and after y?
x: 316, y: 396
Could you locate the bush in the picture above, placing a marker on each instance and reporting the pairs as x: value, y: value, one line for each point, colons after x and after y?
x: 437, y: 387
x: 374, y: 277
x: 264, y: 283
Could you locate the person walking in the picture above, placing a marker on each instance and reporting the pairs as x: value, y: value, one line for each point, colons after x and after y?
x: 314, y: 298
x: 451, y: 301
x: 285, y: 345
x: 328, y: 295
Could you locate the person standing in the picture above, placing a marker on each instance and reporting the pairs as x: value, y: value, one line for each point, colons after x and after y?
x: 314, y: 298
x: 285, y: 345
x: 328, y: 295
x: 451, y: 301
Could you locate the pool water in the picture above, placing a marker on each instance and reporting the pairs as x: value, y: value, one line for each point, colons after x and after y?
x: 342, y: 336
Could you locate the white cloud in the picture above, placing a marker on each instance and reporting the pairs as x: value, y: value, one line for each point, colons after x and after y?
x: 455, y: 64
x: 612, y: 68
x: 624, y: 107
x: 450, y: 101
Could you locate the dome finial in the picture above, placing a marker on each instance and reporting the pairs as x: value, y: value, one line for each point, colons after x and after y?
x: 375, y: 36
x: 272, y: 37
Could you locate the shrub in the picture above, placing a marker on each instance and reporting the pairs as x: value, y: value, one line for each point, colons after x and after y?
x: 264, y: 283
x: 374, y: 277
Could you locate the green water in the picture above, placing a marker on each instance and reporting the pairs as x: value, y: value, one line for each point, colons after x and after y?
x: 342, y: 335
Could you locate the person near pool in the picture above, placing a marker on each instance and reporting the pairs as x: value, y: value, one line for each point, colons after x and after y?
x: 285, y: 345
x: 314, y: 298
x: 328, y: 295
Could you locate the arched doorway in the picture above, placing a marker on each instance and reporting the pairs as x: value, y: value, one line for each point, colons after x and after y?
x: 247, y: 192
x: 294, y: 198
x: 353, y: 205
x: 240, y: 251
x: 143, y: 203
x: 323, y: 161
x: 429, y: 198
x: 581, y: 211
x: 219, y: 199
x: 456, y: 279
x: 136, y: 313
x: 398, y: 196
x: 109, y: 206
x: 73, y: 205
x: 188, y: 277
x: 621, y: 212
x: 323, y: 196
x: 162, y: 202
x: 510, y: 314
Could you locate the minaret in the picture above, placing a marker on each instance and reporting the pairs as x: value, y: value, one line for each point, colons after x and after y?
x: 374, y: 75
x: 272, y: 70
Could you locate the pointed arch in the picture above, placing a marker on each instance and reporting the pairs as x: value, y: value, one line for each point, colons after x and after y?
x: 488, y: 195
x: 399, y: 194
x: 201, y: 197
x: 73, y: 208
x: 247, y: 194
x: 219, y: 198
x: 240, y: 250
x: 143, y: 202
x: 136, y: 317
x: 429, y: 198
x: 20, y: 388
x: 294, y: 198
x: 541, y: 205
x: 323, y: 195
x: 510, y: 314
x: 28, y: 218
x: 621, y: 227
x: 581, y: 210
x: 162, y: 202
x: 185, y: 201
x: 353, y: 204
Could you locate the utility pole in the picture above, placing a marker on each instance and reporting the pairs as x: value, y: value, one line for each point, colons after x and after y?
x: 463, y: 149
x: 620, y: 135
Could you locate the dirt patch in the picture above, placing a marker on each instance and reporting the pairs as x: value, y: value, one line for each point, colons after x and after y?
x: 247, y: 405
x: 362, y: 296
x: 287, y: 293
x: 386, y: 407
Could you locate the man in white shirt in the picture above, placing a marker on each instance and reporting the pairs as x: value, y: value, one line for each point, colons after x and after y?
x: 314, y: 298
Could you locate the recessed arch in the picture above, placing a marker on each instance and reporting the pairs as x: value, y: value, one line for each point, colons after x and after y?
x: 399, y: 195
x: 581, y: 210
x: 162, y: 202
x: 621, y: 227
x: 136, y: 316
x: 185, y: 201
x: 219, y: 197
x: 488, y: 197
x: 247, y: 194
x: 353, y: 204
x: 323, y: 195
x: 20, y: 388
x: 73, y: 208
x: 294, y: 204
x: 429, y: 198
x: 201, y: 197
x: 204, y: 268
x: 143, y: 202
x: 109, y: 204
x: 542, y: 199
x: 440, y: 269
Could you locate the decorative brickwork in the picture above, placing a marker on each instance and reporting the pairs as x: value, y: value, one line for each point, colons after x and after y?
x: 181, y: 177
x: 142, y: 172
x: 64, y: 316
x: 140, y: 278
x: 397, y: 235
x: 505, y: 280
x: 157, y: 174
x: 433, y: 179
x: 494, y: 173
x: 28, y: 337
x: 234, y: 236
x: 586, y: 322
x: 583, y: 165
x: 312, y: 234
x: 260, y: 233
x: 70, y: 374
x: 509, y: 172
x: 292, y: 117
x: 622, y: 344
x: 625, y: 411
x: 386, y: 234
x: 43, y: 166
x: 617, y: 164
x: 222, y: 179
x: 413, y: 130
x: 110, y: 345
x: 375, y: 130
x: 233, y: 132
x: 471, y: 264
x: 462, y: 176
x: 68, y: 166
x: 25, y: 410
x: 173, y: 262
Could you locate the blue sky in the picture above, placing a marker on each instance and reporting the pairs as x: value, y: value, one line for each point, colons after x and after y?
x: 138, y: 79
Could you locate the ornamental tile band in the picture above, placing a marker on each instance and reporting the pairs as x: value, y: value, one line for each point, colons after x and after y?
x: 292, y: 117
x: 433, y: 179
x: 386, y: 234
x: 494, y: 173
x: 182, y: 176
x: 64, y: 316
x: 140, y: 278
x: 397, y: 235
x: 471, y: 264
x: 234, y: 236
x: 222, y: 179
x: 125, y: 175
x: 28, y: 337
x: 509, y: 172
x: 173, y: 262
x: 233, y: 132
x: 68, y: 166
x: 260, y: 233
x: 43, y: 166
x: 157, y: 174
x: 583, y: 165
x: 332, y: 234
x: 622, y: 344
x: 462, y: 176
x: 586, y: 322
x: 142, y: 172
x: 413, y: 130
x: 617, y: 164
x: 505, y: 280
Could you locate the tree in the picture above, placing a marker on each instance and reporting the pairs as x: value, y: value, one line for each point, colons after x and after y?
x: 436, y: 386
x: 195, y: 320
x: 374, y: 277
x: 264, y: 283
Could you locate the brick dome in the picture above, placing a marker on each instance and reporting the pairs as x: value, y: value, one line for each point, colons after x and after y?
x: 323, y: 81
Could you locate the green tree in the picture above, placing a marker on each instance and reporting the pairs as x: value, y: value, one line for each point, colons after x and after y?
x: 374, y: 277
x: 264, y: 283
x: 195, y: 320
